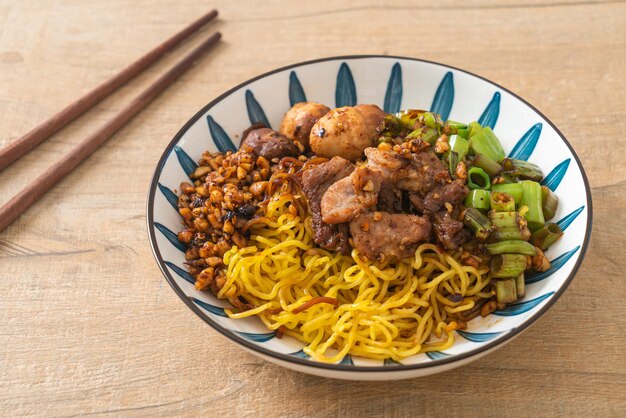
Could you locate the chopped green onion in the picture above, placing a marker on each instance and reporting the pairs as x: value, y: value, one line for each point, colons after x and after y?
x: 478, y: 199
x: 409, y: 117
x: 507, y: 265
x: 456, y: 125
x: 490, y: 166
x: 485, y: 142
x: 463, y: 132
x: 478, y: 179
x: 511, y: 233
x: 547, y: 235
x: 429, y: 119
x: 495, y: 143
x: 511, y: 247
x: 473, y: 129
x: 502, y: 202
x: 458, y: 150
x: 505, y: 178
x: 459, y: 145
x: 505, y: 219
x: 514, y: 189
x: 549, y: 203
x: 506, y: 290
x: 479, y: 223
x: 520, y: 286
x: 532, y: 199
x: 425, y: 134
x: 522, y: 169
x: 392, y: 126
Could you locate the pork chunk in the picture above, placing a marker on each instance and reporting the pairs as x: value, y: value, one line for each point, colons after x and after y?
x: 350, y: 196
x: 315, y: 182
x: 382, y: 236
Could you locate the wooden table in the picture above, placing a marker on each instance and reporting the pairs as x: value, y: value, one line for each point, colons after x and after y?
x: 89, y: 326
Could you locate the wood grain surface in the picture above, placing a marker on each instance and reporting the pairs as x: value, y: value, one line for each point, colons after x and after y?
x: 88, y: 326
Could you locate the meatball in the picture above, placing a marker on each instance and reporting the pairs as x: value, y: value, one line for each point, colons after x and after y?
x: 269, y: 144
x: 298, y: 121
x: 343, y: 132
x: 375, y: 117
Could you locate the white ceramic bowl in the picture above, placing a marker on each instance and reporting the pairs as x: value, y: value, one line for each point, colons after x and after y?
x: 393, y: 83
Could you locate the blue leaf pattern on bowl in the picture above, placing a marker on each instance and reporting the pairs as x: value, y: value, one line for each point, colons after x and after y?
x: 257, y: 338
x: 220, y: 137
x: 491, y: 112
x: 296, y: 92
x: 391, y: 362
x: 393, y: 95
x: 347, y: 360
x: 255, y: 111
x: 568, y: 219
x: 210, y: 308
x: 169, y: 195
x: 184, y: 274
x: 555, y: 264
x: 188, y: 165
x: 300, y: 354
x: 553, y: 179
x: 444, y: 97
x: 345, y: 91
x: 527, y: 143
x: 522, y: 307
x: 436, y: 355
x: 171, y: 237
x: 478, y: 337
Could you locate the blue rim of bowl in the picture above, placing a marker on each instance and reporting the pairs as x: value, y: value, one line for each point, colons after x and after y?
x: 341, y: 367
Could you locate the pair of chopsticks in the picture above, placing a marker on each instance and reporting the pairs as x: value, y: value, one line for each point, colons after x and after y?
x: 38, y: 187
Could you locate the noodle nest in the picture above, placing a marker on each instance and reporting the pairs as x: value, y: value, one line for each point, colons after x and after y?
x: 344, y: 304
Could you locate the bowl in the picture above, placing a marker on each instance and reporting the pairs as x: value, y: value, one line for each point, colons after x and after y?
x: 393, y: 83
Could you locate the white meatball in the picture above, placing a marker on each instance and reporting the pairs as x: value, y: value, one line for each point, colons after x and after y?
x: 375, y: 117
x: 343, y: 132
x: 298, y: 121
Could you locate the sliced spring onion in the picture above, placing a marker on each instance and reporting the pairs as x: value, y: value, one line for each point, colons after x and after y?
x: 501, y: 202
x: 522, y: 169
x: 430, y: 119
x: 409, y: 117
x: 507, y: 265
x: 485, y: 142
x: 474, y: 128
x: 463, y: 132
x: 425, y: 134
x: 478, y: 199
x: 514, y: 189
x: 511, y: 233
x: 506, y: 290
x: 511, y: 247
x: 478, y: 179
x: 458, y: 151
x: 505, y: 219
x: 505, y: 178
x: 487, y: 164
x: 549, y: 203
x: 392, y: 126
x: 520, y: 286
x: 547, y: 235
x: 479, y: 223
x: 456, y: 125
x: 532, y: 199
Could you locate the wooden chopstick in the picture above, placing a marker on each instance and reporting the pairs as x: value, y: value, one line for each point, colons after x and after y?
x: 22, y: 145
x: 38, y: 187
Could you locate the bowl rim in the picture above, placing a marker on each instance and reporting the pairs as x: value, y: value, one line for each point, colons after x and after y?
x: 344, y: 367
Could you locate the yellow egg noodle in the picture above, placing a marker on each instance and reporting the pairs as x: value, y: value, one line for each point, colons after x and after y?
x: 393, y: 310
